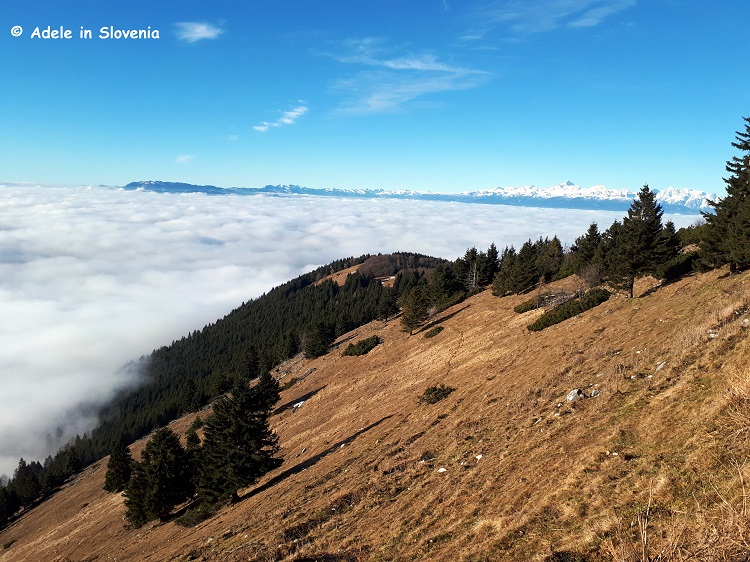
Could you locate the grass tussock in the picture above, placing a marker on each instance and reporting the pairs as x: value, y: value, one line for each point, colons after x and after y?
x: 434, y: 394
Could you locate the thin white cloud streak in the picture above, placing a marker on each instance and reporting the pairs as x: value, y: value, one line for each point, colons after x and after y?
x: 183, y: 159
x: 287, y: 118
x: 524, y: 17
x: 397, y: 80
x: 91, y: 278
x: 193, y: 31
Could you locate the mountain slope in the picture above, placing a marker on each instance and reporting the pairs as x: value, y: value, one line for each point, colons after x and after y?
x: 528, y: 473
x: 564, y: 196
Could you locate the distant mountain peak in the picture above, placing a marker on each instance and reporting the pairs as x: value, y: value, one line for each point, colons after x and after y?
x: 566, y: 195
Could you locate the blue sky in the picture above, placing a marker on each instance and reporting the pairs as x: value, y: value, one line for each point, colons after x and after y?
x: 421, y: 94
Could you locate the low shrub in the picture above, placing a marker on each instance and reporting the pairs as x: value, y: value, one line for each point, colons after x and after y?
x: 526, y: 306
x: 289, y: 384
x: 362, y: 347
x: 569, y: 309
x: 432, y: 332
x: 678, y: 267
x: 434, y: 394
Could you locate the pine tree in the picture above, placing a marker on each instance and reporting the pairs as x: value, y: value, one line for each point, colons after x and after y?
x: 502, y: 282
x: 727, y: 237
x: 251, y: 364
x: 266, y: 392
x: 489, y: 266
x: 193, y: 451
x: 136, y: 506
x: 526, y: 273
x: 26, y: 482
x: 443, y: 285
x: 585, y: 248
x: 387, y: 304
x: 636, y: 247
x: 160, y: 481
x: 238, y: 445
x: 414, y: 309
x: 317, y: 339
x: 668, y: 243
x: 119, y: 467
x: 549, y: 258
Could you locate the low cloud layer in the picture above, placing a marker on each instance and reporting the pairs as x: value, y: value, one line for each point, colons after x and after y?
x: 91, y: 278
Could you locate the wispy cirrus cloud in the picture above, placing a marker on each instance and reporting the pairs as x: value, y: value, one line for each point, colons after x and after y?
x: 183, y: 158
x: 390, y: 80
x: 523, y: 17
x: 193, y: 31
x: 288, y: 117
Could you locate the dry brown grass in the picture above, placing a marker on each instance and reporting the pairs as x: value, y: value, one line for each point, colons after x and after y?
x: 654, y: 468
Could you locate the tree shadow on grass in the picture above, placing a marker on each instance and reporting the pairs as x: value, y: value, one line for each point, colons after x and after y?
x: 312, y: 461
x: 443, y: 318
x: 284, y: 407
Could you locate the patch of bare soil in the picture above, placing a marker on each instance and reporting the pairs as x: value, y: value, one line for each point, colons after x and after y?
x: 650, y: 462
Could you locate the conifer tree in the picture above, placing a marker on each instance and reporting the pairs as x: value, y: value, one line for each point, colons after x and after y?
x: 502, y: 282
x: 193, y: 451
x: 119, y: 467
x: 238, y: 445
x: 266, y: 392
x: 160, y: 481
x: 526, y: 272
x: 637, y: 246
x: 727, y: 238
x: 585, y: 248
x: 136, y: 506
x: 549, y: 257
x: 490, y: 265
x: 443, y: 285
x: 26, y: 482
x: 415, y: 309
x: 251, y: 364
x: 387, y: 304
x: 317, y: 339
x: 668, y: 243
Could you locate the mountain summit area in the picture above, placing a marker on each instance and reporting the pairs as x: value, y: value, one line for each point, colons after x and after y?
x: 618, y: 434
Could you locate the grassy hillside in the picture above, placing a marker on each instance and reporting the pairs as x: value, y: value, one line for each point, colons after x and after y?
x: 652, y: 467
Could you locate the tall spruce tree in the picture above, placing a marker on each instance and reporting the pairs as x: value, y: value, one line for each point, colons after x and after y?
x: 636, y: 246
x: 414, y: 311
x: 502, y: 282
x: 137, y: 510
x: 387, y: 304
x: 119, y: 467
x: 160, y: 481
x: 727, y: 236
x: 585, y: 248
x: 238, y: 444
x: 489, y: 266
x: 526, y: 273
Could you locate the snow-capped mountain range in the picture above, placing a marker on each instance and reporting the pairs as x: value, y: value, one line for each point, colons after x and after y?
x: 564, y: 196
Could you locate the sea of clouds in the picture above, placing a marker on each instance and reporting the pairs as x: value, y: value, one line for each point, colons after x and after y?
x: 92, y: 277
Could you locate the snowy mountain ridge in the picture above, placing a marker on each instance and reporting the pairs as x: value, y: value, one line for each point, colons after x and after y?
x: 566, y: 195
